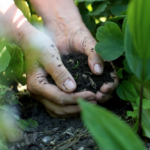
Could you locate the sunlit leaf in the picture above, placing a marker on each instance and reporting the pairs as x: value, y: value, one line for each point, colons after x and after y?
x: 4, y: 57
x: 110, y: 132
x: 16, y: 63
x: 23, y: 6
x: 110, y: 46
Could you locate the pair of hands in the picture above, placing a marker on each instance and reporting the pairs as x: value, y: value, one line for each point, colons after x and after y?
x: 42, y: 57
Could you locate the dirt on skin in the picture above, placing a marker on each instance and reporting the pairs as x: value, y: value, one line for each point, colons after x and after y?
x: 77, y: 65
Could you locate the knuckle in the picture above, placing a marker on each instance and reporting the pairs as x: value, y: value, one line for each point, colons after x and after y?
x: 60, y: 71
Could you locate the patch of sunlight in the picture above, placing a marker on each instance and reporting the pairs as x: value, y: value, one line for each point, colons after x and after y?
x: 21, y: 22
x: 4, y: 73
x: 40, y: 18
x: 89, y: 7
x: 17, y: 15
x: 103, y: 19
x: 21, y: 87
x: 97, y: 21
x: 1, y: 53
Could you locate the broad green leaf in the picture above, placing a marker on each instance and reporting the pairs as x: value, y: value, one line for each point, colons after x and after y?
x: 140, y: 67
x: 119, y: 73
x: 15, y: 67
x: 139, y: 23
x: 27, y: 125
x: 110, y: 46
x: 108, y: 130
x: 117, y: 9
x: 4, y: 57
x: 100, y: 8
x: 23, y: 6
x: 126, y: 91
x: 146, y: 95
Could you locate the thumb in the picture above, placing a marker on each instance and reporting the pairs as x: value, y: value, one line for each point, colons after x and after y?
x: 84, y: 42
x: 54, y: 66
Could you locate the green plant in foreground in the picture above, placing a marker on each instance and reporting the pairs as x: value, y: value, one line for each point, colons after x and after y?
x: 109, y: 132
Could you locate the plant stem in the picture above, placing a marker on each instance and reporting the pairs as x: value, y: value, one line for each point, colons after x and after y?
x: 140, y: 112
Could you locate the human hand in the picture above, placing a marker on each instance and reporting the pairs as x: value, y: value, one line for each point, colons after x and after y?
x: 69, y: 33
x: 42, y: 58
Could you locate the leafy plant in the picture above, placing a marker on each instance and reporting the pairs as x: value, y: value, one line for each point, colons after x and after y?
x: 108, y: 130
x: 27, y: 125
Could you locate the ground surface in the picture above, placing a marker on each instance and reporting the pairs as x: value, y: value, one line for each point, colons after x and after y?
x: 67, y: 134
x: 59, y: 134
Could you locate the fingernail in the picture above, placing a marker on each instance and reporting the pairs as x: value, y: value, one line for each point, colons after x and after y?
x: 98, y: 69
x: 69, y: 85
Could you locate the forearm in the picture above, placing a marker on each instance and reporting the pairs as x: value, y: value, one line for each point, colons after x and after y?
x: 56, y: 10
x: 13, y: 24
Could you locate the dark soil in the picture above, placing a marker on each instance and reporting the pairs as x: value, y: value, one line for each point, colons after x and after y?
x: 77, y: 65
x: 60, y: 134
x: 70, y: 133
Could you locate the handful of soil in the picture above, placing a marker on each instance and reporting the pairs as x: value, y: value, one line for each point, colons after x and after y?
x: 77, y: 65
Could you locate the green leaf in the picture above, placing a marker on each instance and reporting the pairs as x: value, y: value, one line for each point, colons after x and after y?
x: 110, y: 132
x: 23, y: 6
x: 117, y: 9
x: 3, y: 145
x: 126, y: 91
x: 4, y: 57
x: 131, y: 114
x: 37, y: 22
x: 110, y: 46
x: 15, y: 67
x: 124, y: 25
x: 146, y: 103
x: 100, y: 8
x: 146, y: 95
x: 119, y: 73
x: 140, y: 67
x: 27, y: 125
x: 139, y: 23
x: 4, y: 107
x: 126, y: 67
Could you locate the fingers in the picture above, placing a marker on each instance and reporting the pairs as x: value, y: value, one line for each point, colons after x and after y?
x: 101, y: 97
x: 85, y: 43
x: 60, y: 111
x: 110, y: 87
x: 38, y: 85
x: 52, y: 63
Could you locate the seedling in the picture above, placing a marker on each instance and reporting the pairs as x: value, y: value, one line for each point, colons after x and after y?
x: 76, y: 65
